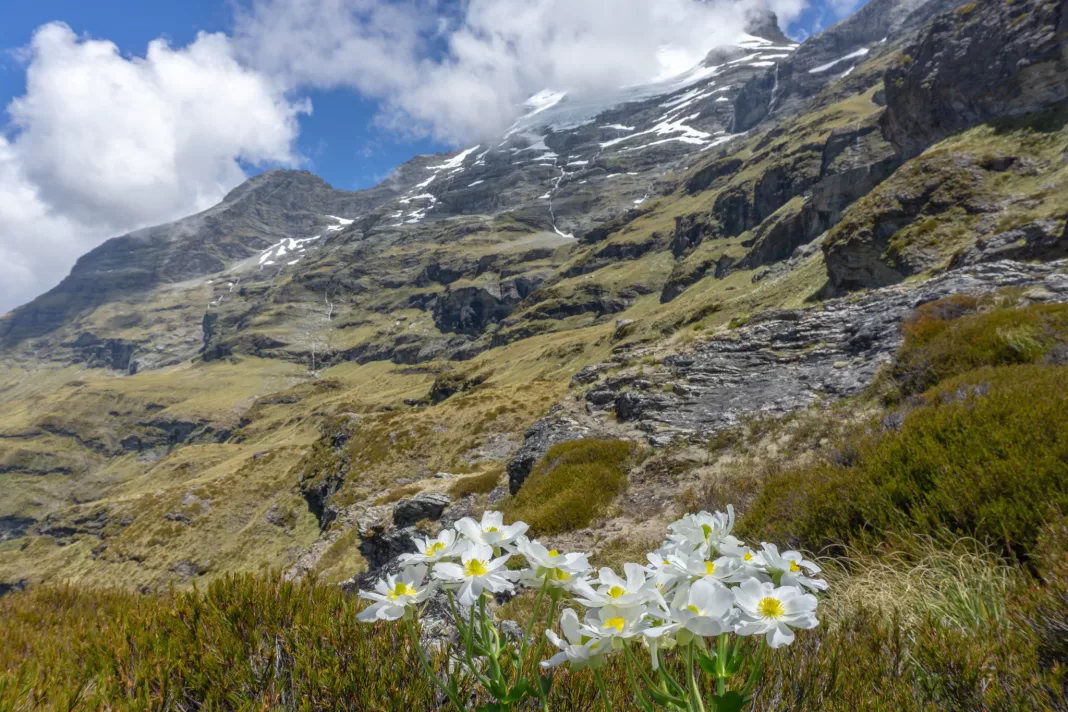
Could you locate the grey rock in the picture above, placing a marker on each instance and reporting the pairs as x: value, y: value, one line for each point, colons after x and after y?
x: 983, y: 61
x: 783, y: 361
x: 12, y: 527
x: 538, y: 440
x: 422, y: 506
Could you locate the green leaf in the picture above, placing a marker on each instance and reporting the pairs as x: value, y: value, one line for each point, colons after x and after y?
x: 734, y: 664
x: 729, y: 702
x: 708, y: 664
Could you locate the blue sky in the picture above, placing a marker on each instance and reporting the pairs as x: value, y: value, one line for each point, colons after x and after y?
x: 120, y: 114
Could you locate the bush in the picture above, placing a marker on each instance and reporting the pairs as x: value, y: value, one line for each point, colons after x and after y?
x: 950, y: 337
x: 476, y: 484
x: 572, y: 484
x: 986, y: 456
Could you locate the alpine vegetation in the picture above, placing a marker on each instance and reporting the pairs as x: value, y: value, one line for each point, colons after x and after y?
x: 690, y: 624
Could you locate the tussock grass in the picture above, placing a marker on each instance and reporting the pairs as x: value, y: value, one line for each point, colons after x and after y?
x: 573, y: 484
x: 483, y: 483
x: 984, y: 457
x: 952, y: 336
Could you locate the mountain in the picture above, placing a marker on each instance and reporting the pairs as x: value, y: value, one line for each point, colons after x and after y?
x: 260, y: 384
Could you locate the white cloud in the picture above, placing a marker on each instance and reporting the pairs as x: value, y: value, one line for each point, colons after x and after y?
x: 460, y: 76
x: 102, y: 144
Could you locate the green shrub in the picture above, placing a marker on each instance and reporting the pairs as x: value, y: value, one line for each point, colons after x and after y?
x: 476, y: 484
x: 950, y: 337
x: 985, y: 456
x: 573, y: 484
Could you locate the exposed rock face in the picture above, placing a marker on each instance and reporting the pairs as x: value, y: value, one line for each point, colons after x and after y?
x: 981, y: 61
x: 789, y: 360
x: 539, y: 439
x: 1043, y: 240
x: 469, y: 310
x: 114, y: 354
x: 14, y: 527
x: 6, y: 588
x: 422, y: 506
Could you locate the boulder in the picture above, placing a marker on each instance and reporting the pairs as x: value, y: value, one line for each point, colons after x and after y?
x: 429, y: 505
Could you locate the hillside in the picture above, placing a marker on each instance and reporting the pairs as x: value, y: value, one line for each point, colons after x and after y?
x: 252, y: 386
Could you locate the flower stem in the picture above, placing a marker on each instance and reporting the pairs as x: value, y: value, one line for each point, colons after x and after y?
x: 642, y: 702
x: 667, y: 677
x: 537, y: 655
x: 603, y: 691
x: 695, y: 691
x: 721, y: 663
x: 414, y: 634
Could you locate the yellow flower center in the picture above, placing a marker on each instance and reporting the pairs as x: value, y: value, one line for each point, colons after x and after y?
x: 553, y: 554
x: 666, y: 562
x: 475, y: 567
x: 558, y: 575
x: 694, y: 609
x: 616, y: 591
x: 435, y: 548
x: 710, y: 568
x: 492, y: 530
x: 794, y: 568
x: 401, y: 589
x: 770, y: 608
x: 616, y: 623
x: 748, y: 556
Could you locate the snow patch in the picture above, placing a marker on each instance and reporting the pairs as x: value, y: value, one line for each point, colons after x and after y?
x: 545, y: 99
x: 852, y: 55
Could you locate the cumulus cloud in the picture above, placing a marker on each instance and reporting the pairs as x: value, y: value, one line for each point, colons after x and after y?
x: 458, y: 75
x: 101, y: 144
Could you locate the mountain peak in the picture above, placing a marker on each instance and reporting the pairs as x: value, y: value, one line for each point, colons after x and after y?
x: 762, y: 22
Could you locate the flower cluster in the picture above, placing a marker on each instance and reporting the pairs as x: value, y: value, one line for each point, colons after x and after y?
x: 702, y: 583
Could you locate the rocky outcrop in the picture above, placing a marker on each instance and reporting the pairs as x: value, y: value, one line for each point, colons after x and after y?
x: 469, y: 310
x: 892, y: 232
x: 95, y: 352
x: 12, y: 527
x: 782, y: 361
x: 981, y: 61
x: 324, y: 470
x: 552, y: 430
x: 16, y: 587
x: 429, y: 505
x: 1042, y: 240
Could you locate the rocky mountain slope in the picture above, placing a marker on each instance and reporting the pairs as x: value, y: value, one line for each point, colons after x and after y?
x: 299, y: 376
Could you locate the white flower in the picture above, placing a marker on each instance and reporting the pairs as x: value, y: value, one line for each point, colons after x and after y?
x: 580, y: 649
x: 615, y: 622
x: 790, y: 568
x: 771, y: 610
x: 477, y: 572
x: 550, y: 565
x: 705, y: 609
x: 491, y: 530
x: 636, y: 590
x: 431, y: 551
x: 704, y: 531
x: 696, y: 566
x: 395, y: 599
